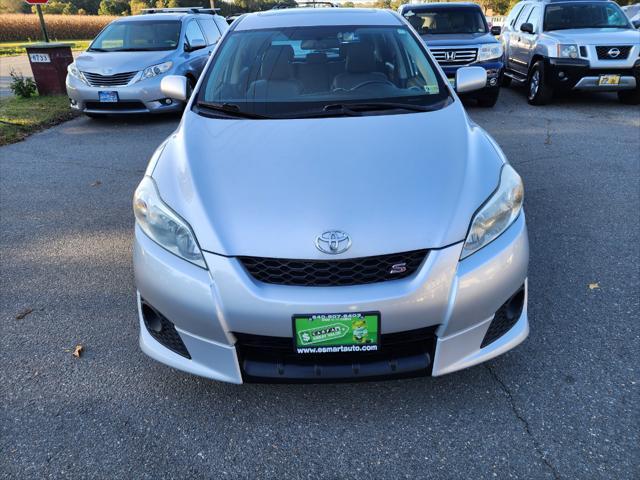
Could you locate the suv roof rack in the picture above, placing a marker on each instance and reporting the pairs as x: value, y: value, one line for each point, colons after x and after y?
x: 210, y: 11
x: 304, y: 4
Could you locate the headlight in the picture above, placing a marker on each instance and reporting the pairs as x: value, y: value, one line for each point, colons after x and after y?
x: 489, y: 52
x: 497, y: 214
x: 568, y: 51
x: 163, y: 225
x: 156, y: 70
x: 72, y: 69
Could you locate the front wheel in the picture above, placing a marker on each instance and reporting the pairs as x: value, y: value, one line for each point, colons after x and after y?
x: 488, y: 100
x: 539, y: 92
x: 630, y: 97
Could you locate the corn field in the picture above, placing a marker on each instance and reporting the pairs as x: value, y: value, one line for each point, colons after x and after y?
x: 18, y: 27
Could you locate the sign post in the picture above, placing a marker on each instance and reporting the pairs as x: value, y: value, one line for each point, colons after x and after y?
x: 38, y: 4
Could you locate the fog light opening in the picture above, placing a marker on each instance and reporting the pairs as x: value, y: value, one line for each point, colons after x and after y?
x: 166, y: 101
x: 514, y: 307
x: 152, y: 319
x: 493, y: 82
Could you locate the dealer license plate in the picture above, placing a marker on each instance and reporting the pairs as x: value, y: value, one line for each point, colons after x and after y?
x: 337, y: 333
x: 108, y: 97
x: 609, y: 80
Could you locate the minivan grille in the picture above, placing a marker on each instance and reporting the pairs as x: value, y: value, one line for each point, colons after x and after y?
x: 333, y: 273
x: 605, y: 52
x: 454, y: 56
x: 117, y: 80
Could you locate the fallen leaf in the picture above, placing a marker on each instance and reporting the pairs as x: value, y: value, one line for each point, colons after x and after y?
x: 593, y: 286
x: 23, y: 313
x: 78, y: 351
x: 97, y: 183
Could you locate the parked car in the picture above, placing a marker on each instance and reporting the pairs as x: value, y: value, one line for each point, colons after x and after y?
x: 458, y: 35
x: 122, y: 69
x: 633, y: 13
x: 556, y: 46
x: 290, y: 230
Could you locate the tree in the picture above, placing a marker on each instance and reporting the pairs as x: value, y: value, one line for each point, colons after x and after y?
x: 348, y: 4
x: 136, y: 6
x: 58, y: 7
x: 13, y: 6
x: 114, y: 7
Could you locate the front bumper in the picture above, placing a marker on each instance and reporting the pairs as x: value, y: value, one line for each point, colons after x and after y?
x: 495, y: 70
x: 577, y: 74
x: 140, y: 97
x: 212, y: 309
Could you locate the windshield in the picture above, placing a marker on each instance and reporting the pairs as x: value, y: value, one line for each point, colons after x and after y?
x: 446, y: 21
x: 138, y: 36
x: 584, y: 15
x: 289, y: 71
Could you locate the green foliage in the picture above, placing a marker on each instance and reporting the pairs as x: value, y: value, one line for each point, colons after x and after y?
x: 348, y: 4
x: 58, y: 7
x: 13, y: 6
x: 136, y: 6
x: 114, y: 7
x: 22, y: 87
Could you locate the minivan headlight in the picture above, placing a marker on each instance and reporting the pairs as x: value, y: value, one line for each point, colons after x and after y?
x: 155, y: 70
x: 489, y: 52
x: 497, y: 214
x: 73, y: 70
x: 163, y: 225
x: 568, y: 51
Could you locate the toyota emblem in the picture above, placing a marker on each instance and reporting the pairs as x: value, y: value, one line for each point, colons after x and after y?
x: 333, y: 242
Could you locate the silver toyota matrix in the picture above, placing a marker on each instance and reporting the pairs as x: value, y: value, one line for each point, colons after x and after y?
x: 327, y: 211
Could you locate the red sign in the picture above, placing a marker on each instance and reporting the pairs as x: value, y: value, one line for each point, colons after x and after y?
x: 37, y: 2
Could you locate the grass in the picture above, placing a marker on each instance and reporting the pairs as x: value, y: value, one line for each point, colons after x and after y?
x: 20, y: 117
x: 15, y: 48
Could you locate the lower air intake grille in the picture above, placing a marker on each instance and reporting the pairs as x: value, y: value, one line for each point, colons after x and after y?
x: 162, y: 330
x: 505, y: 318
x: 116, y: 106
x: 333, y: 273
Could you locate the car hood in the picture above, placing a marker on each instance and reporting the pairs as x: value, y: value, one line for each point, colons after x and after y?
x: 110, y: 63
x: 596, y: 36
x: 458, y: 39
x: 267, y: 188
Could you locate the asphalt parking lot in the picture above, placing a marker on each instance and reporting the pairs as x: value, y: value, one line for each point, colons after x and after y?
x: 565, y: 404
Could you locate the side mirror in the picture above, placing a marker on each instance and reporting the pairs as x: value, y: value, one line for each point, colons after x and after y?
x: 527, y: 27
x: 496, y: 30
x: 196, y: 44
x: 174, y: 87
x: 469, y: 79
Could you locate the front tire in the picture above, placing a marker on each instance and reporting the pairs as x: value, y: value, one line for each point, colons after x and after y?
x: 505, y: 81
x: 488, y: 100
x: 630, y: 97
x: 538, y: 91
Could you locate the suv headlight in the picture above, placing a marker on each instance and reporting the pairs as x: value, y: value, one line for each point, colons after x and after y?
x: 489, y: 52
x: 155, y: 70
x: 163, y: 225
x: 497, y: 213
x: 73, y: 70
x: 568, y: 50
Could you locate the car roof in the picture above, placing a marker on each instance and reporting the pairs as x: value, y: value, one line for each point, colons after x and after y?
x: 155, y: 16
x: 313, y: 17
x: 438, y: 6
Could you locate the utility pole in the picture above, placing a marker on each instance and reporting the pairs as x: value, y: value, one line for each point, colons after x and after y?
x: 212, y: 3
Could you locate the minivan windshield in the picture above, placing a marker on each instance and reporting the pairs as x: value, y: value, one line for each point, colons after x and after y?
x: 315, y: 71
x: 441, y: 21
x: 564, y: 16
x: 133, y: 36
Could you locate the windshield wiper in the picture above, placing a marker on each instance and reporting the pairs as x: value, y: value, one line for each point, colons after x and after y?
x: 357, y: 109
x: 98, y: 50
x: 229, y: 109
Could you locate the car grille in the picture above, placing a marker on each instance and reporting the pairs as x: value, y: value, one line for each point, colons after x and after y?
x: 454, y: 56
x: 603, y: 52
x: 333, y: 273
x: 116, y: 106
x: 117, y: 80
x: 505, y: 318
x: 272, y: 359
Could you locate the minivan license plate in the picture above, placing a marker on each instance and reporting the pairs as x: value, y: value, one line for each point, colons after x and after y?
x: 108, y: 97
x: 336, y: 333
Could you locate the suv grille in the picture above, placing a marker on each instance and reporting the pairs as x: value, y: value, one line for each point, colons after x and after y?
x: 333, y: 273
x: 605, y: 52
x: 117, y: 80
x: 454, y: 56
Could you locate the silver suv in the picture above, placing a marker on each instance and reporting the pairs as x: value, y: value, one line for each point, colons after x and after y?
x: 122, y: 69
x: 565, y: 45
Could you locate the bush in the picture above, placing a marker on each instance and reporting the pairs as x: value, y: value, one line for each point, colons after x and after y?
x: 22, y: 87
x: 17, y: 27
